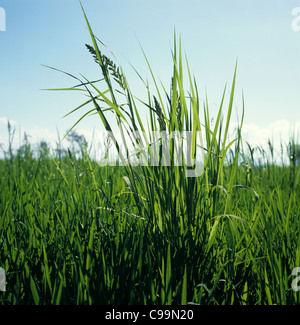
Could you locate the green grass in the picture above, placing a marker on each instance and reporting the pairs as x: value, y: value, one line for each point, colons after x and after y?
x: 74, y: 232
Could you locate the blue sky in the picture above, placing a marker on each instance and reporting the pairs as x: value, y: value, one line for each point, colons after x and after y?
x: 214, y: 35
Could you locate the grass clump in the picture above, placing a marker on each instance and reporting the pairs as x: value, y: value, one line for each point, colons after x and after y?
x: 75, y: 232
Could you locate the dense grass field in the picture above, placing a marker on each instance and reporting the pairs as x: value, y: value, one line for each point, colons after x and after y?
x: 75, y: 232
x: 72, y: 232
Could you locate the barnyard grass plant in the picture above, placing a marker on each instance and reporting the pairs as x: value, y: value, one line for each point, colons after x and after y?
x: 217, y: 228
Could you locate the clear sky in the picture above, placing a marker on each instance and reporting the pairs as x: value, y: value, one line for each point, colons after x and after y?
x: 214, y: 35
